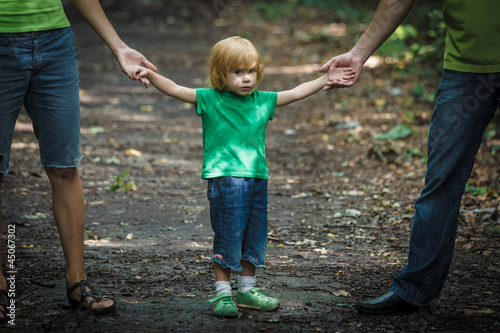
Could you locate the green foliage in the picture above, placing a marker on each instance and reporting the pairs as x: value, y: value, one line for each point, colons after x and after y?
x: 410, y: 115
x: 273, y: 10
x: 413, y: 152
x: 420, y: 40
x: 422, y: 94
x: 121, y: 184
x: 482, y: 190
x: 340, y: 9
x: 395, y: 45
x: 495, y: 230
x: 473, y: 190
x: 397, y: 132
x: 345, y: 10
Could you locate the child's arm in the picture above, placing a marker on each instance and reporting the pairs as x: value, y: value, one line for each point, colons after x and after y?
x: 308, y: 88
x: 163, y: 84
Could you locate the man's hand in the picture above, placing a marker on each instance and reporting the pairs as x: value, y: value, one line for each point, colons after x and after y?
x: 343, y: 60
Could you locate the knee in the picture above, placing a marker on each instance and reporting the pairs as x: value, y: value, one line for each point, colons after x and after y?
x: 62, y: 173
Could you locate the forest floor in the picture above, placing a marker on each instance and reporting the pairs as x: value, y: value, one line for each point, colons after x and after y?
x: 340, y: 201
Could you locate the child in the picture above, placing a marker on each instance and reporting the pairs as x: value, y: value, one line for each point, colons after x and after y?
x: 234, y: 119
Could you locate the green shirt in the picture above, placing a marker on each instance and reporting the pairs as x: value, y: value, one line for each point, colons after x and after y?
x: 234, y: 131
x: 31, y: 15
x: 473, y: 38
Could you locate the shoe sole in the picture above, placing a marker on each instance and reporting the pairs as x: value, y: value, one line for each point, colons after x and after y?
x: 253, y: 307
x: 245, y: 306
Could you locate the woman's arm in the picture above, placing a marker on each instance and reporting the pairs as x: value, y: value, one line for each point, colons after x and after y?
x: 92, y: 11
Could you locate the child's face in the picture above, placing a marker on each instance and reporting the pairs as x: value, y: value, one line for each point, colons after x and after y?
x: 241, y: 81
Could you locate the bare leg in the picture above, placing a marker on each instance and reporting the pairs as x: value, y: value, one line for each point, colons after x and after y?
x: 69, y: 213
x: 248, y: 268
x: 222, y: 274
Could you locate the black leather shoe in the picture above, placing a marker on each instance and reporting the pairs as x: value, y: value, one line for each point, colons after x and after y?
x: 388, y: 303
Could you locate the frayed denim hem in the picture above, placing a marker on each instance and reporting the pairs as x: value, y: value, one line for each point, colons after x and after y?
x: 218, y: 258
x: 254, y: 261
x: 225, y: 264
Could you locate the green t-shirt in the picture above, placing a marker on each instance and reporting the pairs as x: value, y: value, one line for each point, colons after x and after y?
x: 472, y: 41
x: 234, y: 132
x: 31, y: 15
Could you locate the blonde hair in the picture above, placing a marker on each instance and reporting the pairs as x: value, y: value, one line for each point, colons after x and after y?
x: 233, y: 53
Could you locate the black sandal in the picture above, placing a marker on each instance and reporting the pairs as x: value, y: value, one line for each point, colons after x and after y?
x: 3, y: 296
x: 96, y: 295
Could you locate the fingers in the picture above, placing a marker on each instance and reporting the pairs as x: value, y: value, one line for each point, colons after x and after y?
x: 339, y: 84
x: 330, y: 63
x: 133, y: 73
x: 149, y: 65
x: 144, y: 81
x: 138, y: 73
x: 349, y: 74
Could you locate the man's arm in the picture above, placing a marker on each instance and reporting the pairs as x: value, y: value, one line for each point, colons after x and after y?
x: 387, y: 17
x: 92, y: 11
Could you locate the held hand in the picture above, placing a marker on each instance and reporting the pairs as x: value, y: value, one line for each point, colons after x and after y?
x: 340, y: 75
x: 138, y: 73
x: 341, y: 61
x: 129, y: 59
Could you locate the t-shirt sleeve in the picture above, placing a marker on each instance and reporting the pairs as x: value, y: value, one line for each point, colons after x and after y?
x: 269, y: 98
x: 202, y: 97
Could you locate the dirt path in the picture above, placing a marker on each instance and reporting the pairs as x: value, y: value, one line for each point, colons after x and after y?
x: 339, y: 221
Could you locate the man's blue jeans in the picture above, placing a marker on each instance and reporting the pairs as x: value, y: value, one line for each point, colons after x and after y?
x: 465, y: 104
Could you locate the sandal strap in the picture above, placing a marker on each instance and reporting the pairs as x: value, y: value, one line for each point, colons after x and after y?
x: 221, y: 296
x: 83, y: 285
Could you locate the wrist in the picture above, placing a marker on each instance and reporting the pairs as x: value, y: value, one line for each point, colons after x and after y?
x: 118, y: 48
x: 359, y: 55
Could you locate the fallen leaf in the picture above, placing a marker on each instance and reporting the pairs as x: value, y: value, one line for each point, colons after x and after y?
x: 147, y: 108
x: 341, y: 293
x: 352, y: 213
x: 133, y: 152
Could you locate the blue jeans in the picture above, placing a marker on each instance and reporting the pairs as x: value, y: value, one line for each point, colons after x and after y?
x: 238, y: 214
x: 40, y: 70
x: 465, y: 104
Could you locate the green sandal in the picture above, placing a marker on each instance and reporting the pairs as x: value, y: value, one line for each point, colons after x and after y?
x: 96, y: 295
x: 255, y: 300
x: 224, y: 305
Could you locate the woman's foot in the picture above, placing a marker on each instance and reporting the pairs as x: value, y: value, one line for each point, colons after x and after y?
x: 83, y: 296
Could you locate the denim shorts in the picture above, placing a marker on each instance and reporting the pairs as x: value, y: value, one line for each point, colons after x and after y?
x: 238, y: 213
x: 40, y: 70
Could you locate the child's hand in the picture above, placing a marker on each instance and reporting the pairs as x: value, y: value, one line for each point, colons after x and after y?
x: 138, y: 73
x: 341, y: 74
